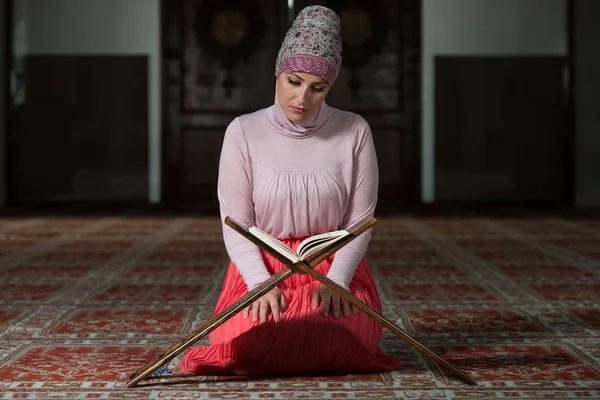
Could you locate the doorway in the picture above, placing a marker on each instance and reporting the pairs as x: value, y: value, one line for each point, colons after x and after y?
x: 218, y: 62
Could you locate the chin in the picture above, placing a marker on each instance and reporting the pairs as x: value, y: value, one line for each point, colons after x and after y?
x: 297, y: 117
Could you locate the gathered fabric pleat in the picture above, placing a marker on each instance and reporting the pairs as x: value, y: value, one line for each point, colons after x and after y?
x: 303, y: 341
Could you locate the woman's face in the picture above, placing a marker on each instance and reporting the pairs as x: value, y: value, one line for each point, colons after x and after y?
x: 300, y: 94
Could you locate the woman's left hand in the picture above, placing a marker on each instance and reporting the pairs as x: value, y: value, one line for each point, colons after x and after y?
x: 331, y: 300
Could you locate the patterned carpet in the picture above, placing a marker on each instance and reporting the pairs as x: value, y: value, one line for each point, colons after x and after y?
x: 515, y: 302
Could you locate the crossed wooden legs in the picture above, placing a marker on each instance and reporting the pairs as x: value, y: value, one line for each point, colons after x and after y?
x: 303, y: 267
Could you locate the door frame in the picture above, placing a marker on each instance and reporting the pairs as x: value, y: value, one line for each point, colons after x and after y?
x: 6, y: 103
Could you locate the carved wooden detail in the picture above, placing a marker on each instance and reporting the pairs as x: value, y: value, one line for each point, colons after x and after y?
x: 228, y: 33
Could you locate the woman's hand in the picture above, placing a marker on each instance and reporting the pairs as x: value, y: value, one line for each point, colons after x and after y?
x: 274, y: 301
x: 329, y: 299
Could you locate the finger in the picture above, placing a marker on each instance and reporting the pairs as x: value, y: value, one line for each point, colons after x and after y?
x: 345, y: 307
x: 283, y: 302
x: 315, y: 299
x: 354, y: 309
x: 325, y: 303
x: 264, y: 311
x: 255, y: 311
x: 246, y: 312
x: 275, y: 309
x: 335, y: 303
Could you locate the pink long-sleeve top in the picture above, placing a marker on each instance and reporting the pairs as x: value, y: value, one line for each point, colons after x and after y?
x: 295, y: 181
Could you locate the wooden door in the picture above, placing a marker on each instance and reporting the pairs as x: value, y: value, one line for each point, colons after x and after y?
x: 218, y: 63
x: 380, y: 80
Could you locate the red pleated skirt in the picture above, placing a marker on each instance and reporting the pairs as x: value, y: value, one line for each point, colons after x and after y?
x: 303, y: 341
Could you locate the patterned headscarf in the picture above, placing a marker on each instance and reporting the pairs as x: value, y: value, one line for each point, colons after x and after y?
x: 313, y: 44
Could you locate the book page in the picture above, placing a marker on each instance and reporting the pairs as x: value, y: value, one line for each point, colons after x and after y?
x: 274, y: 243
x: 315, y: 243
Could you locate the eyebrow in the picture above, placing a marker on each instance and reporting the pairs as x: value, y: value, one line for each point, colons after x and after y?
x: 314, y: 83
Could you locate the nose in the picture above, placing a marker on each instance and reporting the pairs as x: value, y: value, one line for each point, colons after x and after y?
x: 302, y: 96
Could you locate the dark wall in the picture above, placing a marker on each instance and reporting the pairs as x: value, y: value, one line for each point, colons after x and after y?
x: 82, y: 134
x: 587, y: 102
x: 500, y: 129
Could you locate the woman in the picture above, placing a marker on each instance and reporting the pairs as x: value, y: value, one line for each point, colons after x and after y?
x: 296, y: 169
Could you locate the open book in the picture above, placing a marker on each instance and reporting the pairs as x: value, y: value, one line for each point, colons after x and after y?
x: 306, y: 248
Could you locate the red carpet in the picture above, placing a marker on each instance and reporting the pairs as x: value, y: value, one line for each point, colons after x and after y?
x: 513, y: 302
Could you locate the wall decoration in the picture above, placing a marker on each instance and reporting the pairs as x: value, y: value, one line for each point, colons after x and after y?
x: 365, y: 28
x: 229, y: 32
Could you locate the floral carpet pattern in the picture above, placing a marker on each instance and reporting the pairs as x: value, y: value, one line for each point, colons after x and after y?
x: 514, y: 302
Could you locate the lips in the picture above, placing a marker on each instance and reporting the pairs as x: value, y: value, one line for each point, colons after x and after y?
x: 298, y: 109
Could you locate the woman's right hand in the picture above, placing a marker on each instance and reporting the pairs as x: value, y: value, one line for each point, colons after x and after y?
x: 273, y: 301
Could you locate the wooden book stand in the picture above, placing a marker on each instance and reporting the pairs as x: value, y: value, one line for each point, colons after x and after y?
x: 301, y: 267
